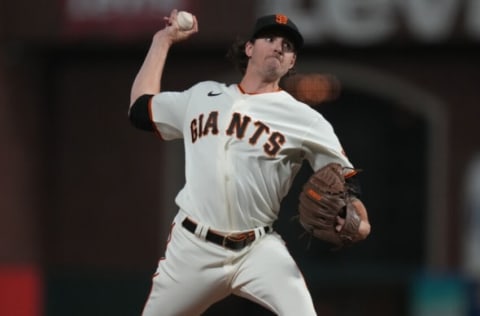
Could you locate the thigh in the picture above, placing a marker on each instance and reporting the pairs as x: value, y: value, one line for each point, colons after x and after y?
x: 188, y: 279
x: 269, y: 276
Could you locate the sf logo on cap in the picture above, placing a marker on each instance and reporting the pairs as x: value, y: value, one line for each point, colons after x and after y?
x: 281, y: 19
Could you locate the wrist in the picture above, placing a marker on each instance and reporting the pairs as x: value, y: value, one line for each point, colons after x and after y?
x: 364, y: 229
x: 162, y: 39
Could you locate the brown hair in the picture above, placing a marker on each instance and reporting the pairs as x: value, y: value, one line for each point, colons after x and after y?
x: 236, y: 55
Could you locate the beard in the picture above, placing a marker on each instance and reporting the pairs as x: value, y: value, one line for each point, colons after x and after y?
x: 273, y: 70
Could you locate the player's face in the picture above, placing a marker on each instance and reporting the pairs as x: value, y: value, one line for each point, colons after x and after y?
x: 271, y: 56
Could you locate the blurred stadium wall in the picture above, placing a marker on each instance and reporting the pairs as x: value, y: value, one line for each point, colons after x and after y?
x: 85, y: 200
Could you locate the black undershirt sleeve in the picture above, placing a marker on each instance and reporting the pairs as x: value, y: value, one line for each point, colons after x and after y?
x: 139, y: 113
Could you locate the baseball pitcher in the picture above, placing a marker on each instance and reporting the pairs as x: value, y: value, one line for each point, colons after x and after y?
x: 244, y: 143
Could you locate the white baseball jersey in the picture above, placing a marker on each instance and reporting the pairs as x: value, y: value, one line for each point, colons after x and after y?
x: 242, y: 150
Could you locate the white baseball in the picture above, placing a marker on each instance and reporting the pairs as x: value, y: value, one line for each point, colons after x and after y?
x: 184, y: 20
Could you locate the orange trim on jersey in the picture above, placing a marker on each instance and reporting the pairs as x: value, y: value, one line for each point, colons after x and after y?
x: 253, y: 93
x: 150, y: 115
x: 350, y: 174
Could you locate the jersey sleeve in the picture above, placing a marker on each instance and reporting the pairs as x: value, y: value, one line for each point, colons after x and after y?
x: 167, y: 112
x: 323, y: 146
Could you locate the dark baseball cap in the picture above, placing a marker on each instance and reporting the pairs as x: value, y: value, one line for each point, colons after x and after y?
x: 279, y: 23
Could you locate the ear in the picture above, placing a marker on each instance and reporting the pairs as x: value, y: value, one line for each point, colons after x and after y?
x: 292, y: 63
x: 248, y: 49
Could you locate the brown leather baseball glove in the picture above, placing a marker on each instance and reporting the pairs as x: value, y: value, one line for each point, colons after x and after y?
x: 325, y: 197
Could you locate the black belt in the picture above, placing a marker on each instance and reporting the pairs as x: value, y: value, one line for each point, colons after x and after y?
x: 235, y: 241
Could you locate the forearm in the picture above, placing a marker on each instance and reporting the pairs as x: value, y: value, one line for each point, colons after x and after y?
x: 148, y: 79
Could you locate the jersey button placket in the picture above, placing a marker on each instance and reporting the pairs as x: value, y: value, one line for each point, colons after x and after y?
x: 226, y: 180
x: 228, y: 166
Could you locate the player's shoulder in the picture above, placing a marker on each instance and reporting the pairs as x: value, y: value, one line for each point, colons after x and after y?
x: 212, y: 88
x: 304, y: 112
x: 208, y: 85
x: 299, y: 105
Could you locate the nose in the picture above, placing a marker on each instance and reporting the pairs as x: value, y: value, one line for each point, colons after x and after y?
x: 278, y: 45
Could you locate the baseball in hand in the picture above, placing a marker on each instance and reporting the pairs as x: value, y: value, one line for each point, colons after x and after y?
x: 184, y: 20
